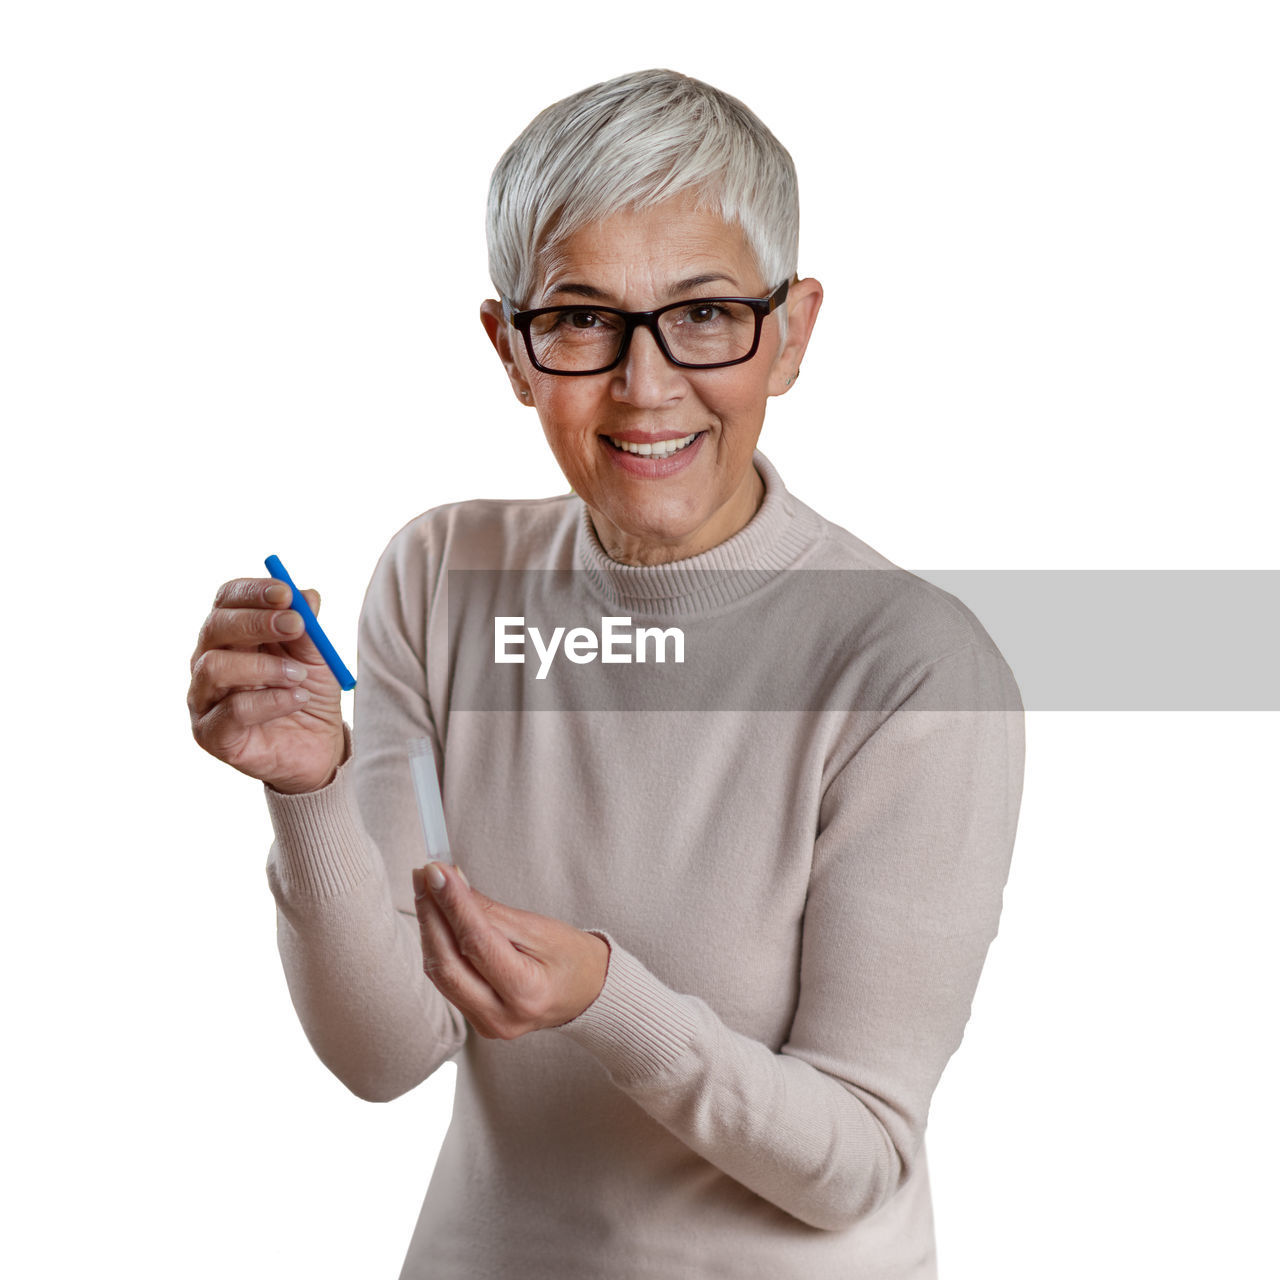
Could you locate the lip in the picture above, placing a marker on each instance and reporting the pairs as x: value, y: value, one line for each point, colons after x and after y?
x: 652, y: 468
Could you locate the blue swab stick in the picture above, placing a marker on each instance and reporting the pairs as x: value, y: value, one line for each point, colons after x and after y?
x: 321, y: 641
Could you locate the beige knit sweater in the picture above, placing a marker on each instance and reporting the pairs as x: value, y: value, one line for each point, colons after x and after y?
x: 795, y: 844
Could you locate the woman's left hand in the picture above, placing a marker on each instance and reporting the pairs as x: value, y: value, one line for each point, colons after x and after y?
x: 507, y: 971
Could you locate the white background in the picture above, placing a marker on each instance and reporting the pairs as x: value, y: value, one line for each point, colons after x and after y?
x: 242, y: 258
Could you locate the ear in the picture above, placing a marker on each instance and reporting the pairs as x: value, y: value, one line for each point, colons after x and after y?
x: 501, y: 335
x: 804, y: 300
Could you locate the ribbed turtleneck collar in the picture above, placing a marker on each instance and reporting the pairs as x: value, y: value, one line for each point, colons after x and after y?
x: 771, y: 541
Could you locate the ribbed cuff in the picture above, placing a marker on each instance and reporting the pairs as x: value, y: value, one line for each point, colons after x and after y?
x: 637, y: 1027
x: 321, y: 847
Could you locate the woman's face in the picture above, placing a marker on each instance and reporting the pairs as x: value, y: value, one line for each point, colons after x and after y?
x: 650, y: 510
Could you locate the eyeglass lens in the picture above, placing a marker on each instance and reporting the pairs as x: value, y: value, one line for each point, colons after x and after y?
x: 577, y: 339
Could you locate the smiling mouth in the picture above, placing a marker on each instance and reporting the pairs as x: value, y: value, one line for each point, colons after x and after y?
x: 662, y: 449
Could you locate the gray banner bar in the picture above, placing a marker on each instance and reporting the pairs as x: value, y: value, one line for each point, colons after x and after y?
x: 1131, y: 639
x: 871, y: 640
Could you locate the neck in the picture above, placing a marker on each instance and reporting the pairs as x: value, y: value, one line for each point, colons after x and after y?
x: 632, y: 549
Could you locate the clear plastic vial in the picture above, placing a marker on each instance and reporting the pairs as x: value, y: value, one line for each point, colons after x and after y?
x: 426, y: 786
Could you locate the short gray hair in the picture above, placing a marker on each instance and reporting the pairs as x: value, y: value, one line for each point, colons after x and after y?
x: 631, y: 143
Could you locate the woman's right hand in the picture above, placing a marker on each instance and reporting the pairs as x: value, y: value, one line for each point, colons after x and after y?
x: 261, y: 697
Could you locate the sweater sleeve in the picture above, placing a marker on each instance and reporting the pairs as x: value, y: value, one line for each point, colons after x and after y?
x: 912, y: 853
x: 339, y: 870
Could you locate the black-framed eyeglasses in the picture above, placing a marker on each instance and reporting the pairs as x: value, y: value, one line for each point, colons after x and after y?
x: 699, y: 333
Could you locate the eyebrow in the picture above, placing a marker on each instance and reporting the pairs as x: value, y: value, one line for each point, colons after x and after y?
x: 678, y: 289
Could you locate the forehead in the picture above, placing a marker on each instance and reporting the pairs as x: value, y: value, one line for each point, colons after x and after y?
x: 652, y: 251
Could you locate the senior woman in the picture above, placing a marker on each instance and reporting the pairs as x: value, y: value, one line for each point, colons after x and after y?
x: 729, y: 910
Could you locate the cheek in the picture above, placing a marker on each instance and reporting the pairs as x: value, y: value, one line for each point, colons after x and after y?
x: 568, y: 417
x: 743, y: 402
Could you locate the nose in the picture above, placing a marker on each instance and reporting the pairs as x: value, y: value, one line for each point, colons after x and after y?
x: 646, y: 378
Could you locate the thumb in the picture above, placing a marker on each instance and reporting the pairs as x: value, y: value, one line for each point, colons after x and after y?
x: 498, y: 911
x: 302, y: 647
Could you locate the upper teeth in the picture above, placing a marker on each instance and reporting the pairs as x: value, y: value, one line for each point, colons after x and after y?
x: 663, y: 449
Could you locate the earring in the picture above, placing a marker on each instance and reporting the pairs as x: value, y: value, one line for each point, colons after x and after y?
x: 524, y: 395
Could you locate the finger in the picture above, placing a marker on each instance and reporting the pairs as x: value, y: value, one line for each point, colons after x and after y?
x: 525, y: 930
x: 440, y: 950
x: 260, y: 593
x: 247, y: 629
x: 300, y: 645
x: 253, y: 593
x: 439, y: 947
x: 218, y: 672
x: 227, y: 721
x: 277, y: 593
x: 479, y: 939
x: 451, y: 972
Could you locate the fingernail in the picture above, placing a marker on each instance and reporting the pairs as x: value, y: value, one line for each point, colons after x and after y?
x: 293, y: 671
x: 301, y: 695
x: 278, y: 594
x: 462, y: 875
x: 435, y: 877
x: 419, y: 884
x: 290, y: 623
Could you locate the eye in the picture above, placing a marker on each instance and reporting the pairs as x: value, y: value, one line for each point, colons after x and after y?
x: 701, y: 313
x: 574, y: 324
